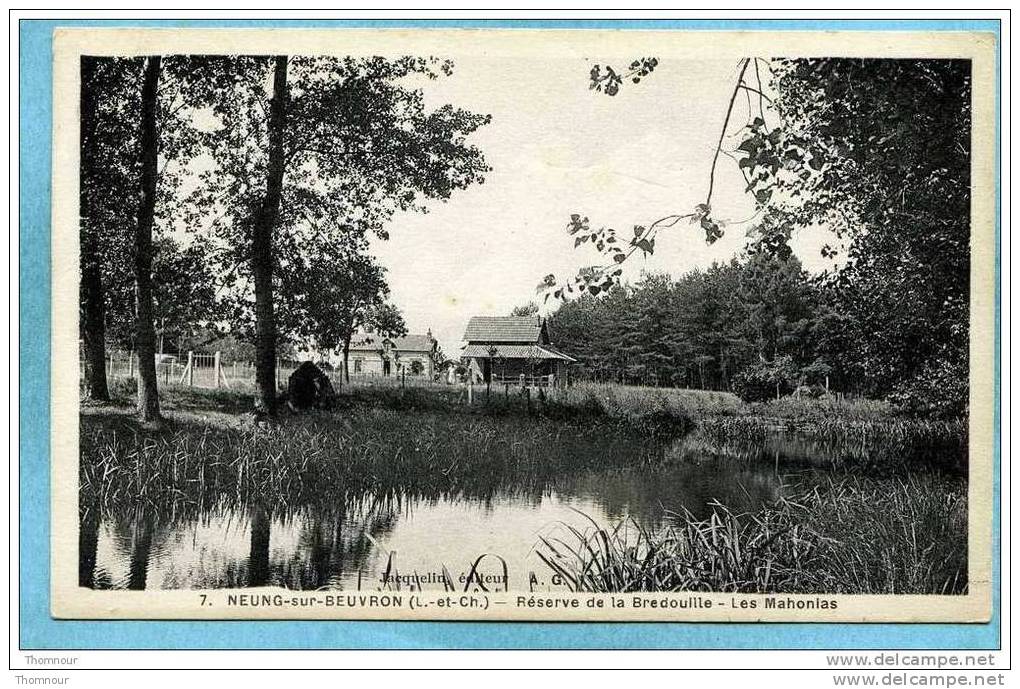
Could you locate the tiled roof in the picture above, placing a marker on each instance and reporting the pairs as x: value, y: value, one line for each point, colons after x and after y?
x: 514, y: 351
x: 408, y: 343
x: 503, y: 329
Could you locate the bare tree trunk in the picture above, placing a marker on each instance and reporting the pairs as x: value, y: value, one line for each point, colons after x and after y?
x: 93, y: 306
x: 262, y: 246
x: 347, y: 357
x: 148, y: 395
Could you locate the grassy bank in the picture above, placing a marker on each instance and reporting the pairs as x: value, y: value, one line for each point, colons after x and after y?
x: 721, y: 413
x: 867, y: 435
x: 580, y: 407
x: 331, y: 456
x: 851, y: 535
x: 725, y: 413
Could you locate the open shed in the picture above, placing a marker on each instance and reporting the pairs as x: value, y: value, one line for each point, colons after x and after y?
x: 512, y: 349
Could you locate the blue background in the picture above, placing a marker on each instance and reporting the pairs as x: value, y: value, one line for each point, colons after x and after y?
x: 39, y: 631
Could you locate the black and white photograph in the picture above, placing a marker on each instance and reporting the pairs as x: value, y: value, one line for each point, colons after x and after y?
x: 525, y: 325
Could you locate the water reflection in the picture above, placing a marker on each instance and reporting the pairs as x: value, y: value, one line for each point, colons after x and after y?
x: 258, y: 555
x: 141, y: 550
x: 88, y: 540
x: 372, y: 542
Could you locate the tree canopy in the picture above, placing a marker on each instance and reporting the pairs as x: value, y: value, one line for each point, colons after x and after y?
x: 359, y: 146
x: 890, y: 141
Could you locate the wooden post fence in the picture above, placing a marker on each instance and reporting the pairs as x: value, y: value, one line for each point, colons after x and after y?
x: 189, y: 371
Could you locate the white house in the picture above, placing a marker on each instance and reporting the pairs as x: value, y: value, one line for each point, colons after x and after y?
x: 414, y: 355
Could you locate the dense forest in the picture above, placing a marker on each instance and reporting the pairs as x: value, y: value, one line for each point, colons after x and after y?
x: 758, y: 325
x: 709, y: 329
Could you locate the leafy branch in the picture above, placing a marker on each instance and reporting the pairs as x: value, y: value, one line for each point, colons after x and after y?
x: 760, y: 158
x: 600, y: 278
x: 607, y: 80
x: 722, y: 133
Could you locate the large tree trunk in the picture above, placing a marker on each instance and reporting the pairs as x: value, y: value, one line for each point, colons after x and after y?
x: 148, y: 395
x: 93, y: 306
x: 93, y: 329
x: 262, y: 246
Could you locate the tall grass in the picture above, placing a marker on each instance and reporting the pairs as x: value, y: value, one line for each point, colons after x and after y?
x: 696, y: 404
x: 852, y: 535
x: 825, y: 407
x: 870, y: 446
x: 702, y: 404
x: 325, y: 456
x: 646, y: 415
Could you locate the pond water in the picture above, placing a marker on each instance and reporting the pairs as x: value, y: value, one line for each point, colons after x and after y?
x: 430, y: 542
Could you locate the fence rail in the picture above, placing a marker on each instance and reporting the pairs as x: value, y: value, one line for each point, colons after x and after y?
x: 198, y: 369
x: 525, y: 380
x: 210, y: 370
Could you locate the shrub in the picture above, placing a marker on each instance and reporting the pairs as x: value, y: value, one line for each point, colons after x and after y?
x: 940, y: 389
x: 814, y: 374
x: 765, y: 380
x: 810, y: 391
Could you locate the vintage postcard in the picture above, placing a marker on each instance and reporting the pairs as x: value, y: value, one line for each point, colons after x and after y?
x: 512, y: 324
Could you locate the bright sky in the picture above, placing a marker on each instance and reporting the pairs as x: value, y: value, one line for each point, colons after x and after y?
x: 558, y: 148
